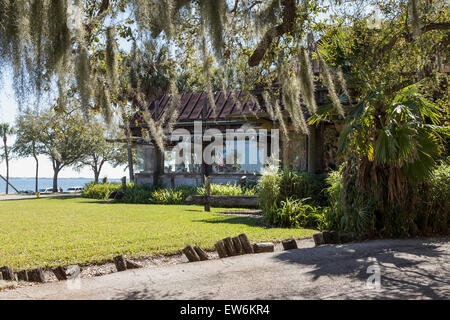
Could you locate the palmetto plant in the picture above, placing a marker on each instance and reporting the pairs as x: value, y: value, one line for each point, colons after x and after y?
x: 403, y: 133
x: 390, y: 145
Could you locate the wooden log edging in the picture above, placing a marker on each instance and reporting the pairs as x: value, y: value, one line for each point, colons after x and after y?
x: 332, y: 237
x: 132, y: 265
x: 318, y: 238
x: 36, y: 275
x: 238, y: 245
x: 60, y: 273
x: 263, y: 247
x: 65, y: 273
x: 201, y: 253
x: 220, y: 247
x: 190, y: 253
x: 229, y: 246
x: 123, y: 264
x: 289, y: 244
x: 7, y: 273
x: 246, y: 245
x: 120, y: 263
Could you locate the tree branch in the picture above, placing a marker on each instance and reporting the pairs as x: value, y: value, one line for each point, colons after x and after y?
x: 429, y: 27
x: 104, y: 6
x: 436, y: 26
x: 289, y: 14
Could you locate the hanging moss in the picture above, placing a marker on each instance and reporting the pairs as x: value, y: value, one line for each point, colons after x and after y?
x: 305, y: 80
x: 59, y: 33
x: 111, y: 59
x: 343, y: 83
x: 207, y: 61
x: 328, y: 81
x: 214, y: 15
x: 415, y: 22
x: 83, y: 78
x: 290, y: 97
x: 280, y: 118
x: 268, y: 104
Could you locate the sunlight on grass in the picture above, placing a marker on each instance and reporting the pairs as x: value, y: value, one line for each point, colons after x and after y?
x: 50, y: 232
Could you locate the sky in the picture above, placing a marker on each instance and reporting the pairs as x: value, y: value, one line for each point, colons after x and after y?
x: 25, y: 167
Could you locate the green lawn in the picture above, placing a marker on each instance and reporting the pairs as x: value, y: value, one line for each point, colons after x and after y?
x: 62, y: 231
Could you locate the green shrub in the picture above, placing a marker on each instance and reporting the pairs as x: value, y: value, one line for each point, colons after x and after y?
x: 99, y: 191
x: 433, y: 205
x: 334, y: 212
x: 175, y: 195
x: 137, y: 194
x: 167, y: 196
x: 295, y: 213
x: 268, y: 191
x: 228, y: 190
x: 426, y: 210
x: 275, y: 187
x: 146, y: 195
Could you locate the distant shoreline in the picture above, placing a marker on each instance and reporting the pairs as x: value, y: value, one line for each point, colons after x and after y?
x: 23, y: 183
x: 62, y: 178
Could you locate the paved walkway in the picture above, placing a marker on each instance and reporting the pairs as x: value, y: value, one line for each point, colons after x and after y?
x: 409, y: 269
x: 15, y: 196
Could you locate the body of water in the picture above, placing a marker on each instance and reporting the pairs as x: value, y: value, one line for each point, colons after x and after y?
x: 29, y: 183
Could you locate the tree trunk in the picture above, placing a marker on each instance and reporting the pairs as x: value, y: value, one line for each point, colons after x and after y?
x: 55, y: 179
x: 7, y: 170
x: 98, y: 169
x: 130, y: 162
x: 37, y: 172
x: 7, y: 163
x: 96, y: 175
x: 37, y: 176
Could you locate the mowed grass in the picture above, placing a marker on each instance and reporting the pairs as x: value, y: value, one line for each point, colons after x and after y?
x: 62, y: 231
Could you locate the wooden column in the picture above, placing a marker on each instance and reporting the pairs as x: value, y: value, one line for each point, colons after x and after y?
x: 159, y: 165
x: 315, y: 154
x: 207, y: 194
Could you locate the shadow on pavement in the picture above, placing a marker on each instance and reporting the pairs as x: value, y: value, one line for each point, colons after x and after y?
x: 404, y: 271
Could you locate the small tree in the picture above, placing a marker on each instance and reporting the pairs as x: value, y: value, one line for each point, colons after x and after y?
x: 100, y: 151
x: 27, y: 144
x: 5, y: 131
x: 64, y: 140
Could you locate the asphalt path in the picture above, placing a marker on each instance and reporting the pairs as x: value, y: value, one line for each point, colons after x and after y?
x: 378, y: 269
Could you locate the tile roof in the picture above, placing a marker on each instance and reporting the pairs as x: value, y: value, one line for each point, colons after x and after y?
x: 191, y: 106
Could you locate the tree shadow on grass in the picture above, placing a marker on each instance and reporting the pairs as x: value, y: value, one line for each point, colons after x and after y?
x: 246, y: 220
x: 102, y: 202
x: 404, y: 267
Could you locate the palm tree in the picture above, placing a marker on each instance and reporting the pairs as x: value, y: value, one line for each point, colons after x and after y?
x: 391, y: 145
x: 5, y: 131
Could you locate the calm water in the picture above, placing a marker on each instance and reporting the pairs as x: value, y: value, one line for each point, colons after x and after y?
x: 29, y: 183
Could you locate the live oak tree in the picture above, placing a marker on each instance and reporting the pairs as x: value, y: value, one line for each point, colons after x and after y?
x: 64, y: 139
x: 28, y: 142
x: 100, y: 150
